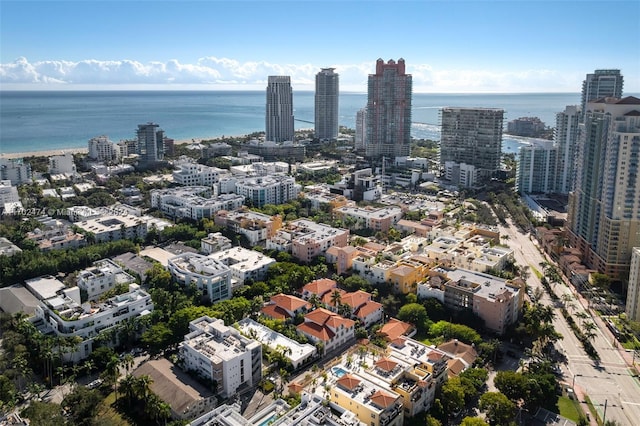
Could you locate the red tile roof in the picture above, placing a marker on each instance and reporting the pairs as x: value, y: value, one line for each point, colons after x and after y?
x: 367, y: 309
x: 289, y: 303
x: 355, y: 299
x: 320, y: 287
x: 326, y: 299
x: 395, y: 328
x: 319, y: 332
x: 275, y: 312
x: 386, y: 364
x: 348, y: 381
x: 382, y: 399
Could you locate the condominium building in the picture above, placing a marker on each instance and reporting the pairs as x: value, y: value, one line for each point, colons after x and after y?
x: 377, y: 219
x: 150, y: 145
x: 268, y: 190
x: 531, y: 127
x: 193, y: 202
x: 633, y: 292
x: 15, y: 170
x: 214, y: 242
x: 472, y: 136
x: 102, y: 277
x: 101, y: 148
x: 8, y: 193
x: 279, y: 123
x: 361, y: 185
x: 326, y: 104
x: 477, y: 253
x: 601, y: 84
x: 536, y: 167
x: 496, y: 301
x: 361, y: 130
x: 194, y: 174
x: 604, y: 210
x: 221, y: 355
x: 256, y: 227
x: 565, y: 139
x: 388, y: 119
x: 244, y: 264
x: 305, y: 239
x: 61, y: 312
x: 7, y: 248
x: 113, y: 227
x: 285, y: 307
x: 210, y: 276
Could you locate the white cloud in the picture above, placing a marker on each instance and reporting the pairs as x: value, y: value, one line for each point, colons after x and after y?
x: 227, y: 73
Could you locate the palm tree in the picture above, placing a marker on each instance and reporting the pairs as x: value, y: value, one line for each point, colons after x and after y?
x: 589, y: 330
x: 336, y: 298
x: 142, y: 387
x: 111, y: 373
x: 127, y: 362
x: 89, y: 365
x: 128, y: 388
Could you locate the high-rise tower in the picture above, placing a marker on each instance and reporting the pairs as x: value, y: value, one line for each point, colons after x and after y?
x: 389, y: 111
x: 601, y: 84
x: 604, y: 210
x: 279, y: 118
x: 150, y: 147
x: 566, y: 139
x: 326, y: 104
x: 472, y: 136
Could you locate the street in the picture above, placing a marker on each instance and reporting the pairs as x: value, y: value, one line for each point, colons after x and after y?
x: 608, y: 383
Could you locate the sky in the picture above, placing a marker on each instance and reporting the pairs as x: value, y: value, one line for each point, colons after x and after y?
x: 483, y: 46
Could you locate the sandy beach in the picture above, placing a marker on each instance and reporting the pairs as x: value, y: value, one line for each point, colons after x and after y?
x: 50, y: 152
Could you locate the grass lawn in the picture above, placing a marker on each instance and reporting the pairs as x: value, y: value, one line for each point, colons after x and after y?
x: 108, y: 415
x: 568, y: 408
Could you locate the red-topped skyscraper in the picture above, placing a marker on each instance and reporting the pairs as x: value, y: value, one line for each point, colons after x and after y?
x: 389, y: 111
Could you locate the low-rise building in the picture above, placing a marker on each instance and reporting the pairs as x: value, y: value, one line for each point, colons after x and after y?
x: 101, y: 148
x: 194, y: 174
x: 193, y: 202
x: 15, y: 170
x: 263, y: 190
x: 209, y: 275
x: 7, y: 248
x: 115, y: 227
x: 285, y: 307
x: 496, y: 301
x: 376, y: 219
x: 257, y: 227
x: 220, y: 354
x: 477, y: 252
x: 272, y: 151
x: 297, y: 353
x: 328, y: 328
x: 318, y: 287
x: 62, y: 312
x: 305, y: 239
x: 214, y: 242
x: 8, y: 193
x: 342, y: 257
x: 102, y: 277
x: 244, y: 264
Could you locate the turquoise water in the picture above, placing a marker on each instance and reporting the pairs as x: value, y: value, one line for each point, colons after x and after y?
x: 338, y: 371
x: 268, y: 420
x: 45, y: 120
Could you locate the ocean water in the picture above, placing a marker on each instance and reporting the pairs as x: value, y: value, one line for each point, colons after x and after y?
x: 46, y: 120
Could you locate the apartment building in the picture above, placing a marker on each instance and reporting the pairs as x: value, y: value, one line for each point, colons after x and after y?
x: 7, y: 248
x: 256, y: 227
x: 102, y: 277
x: 271, y: 151
x: 496, y: 301
x: 115, y: 227
x: 194, y: 174
x: 193, y: 202
x: 209, y: 275
x: 377, y: 219
x: 244, y: 264
x: 101, y: 148
x: 61, y: 312
x: 214, y: 242
x: 55, y: 234
x: 263, y: 190
x: 328, y: 328
x: 476, y: 252
x: 305, y: 239
x: 633, y: 294
x: 285, y: 307
x: 15, y: 170
x: 222, y: 355
x: 341, y: 257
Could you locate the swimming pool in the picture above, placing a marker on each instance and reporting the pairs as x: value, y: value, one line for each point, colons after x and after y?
x: 338, y: 371
x: 268, y: 420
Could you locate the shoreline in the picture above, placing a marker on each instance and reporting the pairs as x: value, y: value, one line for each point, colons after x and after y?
x: 85, y: 150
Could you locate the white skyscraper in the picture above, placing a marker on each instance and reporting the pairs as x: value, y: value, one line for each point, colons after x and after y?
x: 326, y: 104
x: 361, y: 130
x: 566, y: 139
x: 279, y: 118
x: 601, y: 84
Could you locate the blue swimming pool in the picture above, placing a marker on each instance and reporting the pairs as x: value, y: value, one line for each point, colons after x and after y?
x: 268, y: 420
x: 338, y: 371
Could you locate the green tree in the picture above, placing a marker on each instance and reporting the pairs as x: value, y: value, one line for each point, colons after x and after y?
x: 473, y: 421
x: 81, y: 405
x: 497, y: 407
x: 452, y: 395
x: 43, y: 414
x: 415, y: 314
